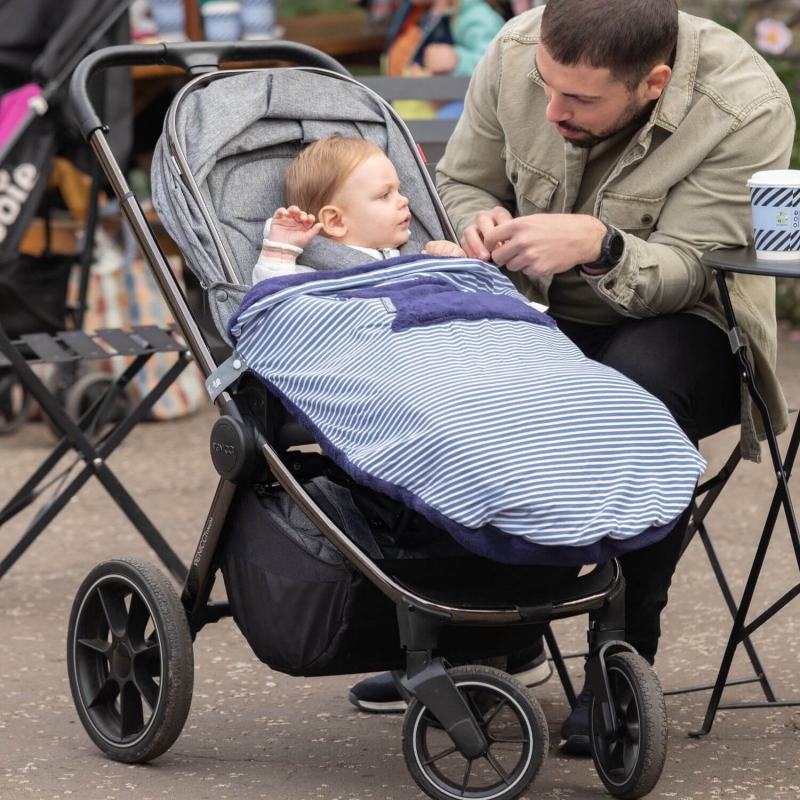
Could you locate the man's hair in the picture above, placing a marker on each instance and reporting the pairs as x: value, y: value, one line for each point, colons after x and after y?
x: 318, y: 171
x: 627, y: 37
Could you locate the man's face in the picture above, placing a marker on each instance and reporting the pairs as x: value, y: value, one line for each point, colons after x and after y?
x: 586, y: 104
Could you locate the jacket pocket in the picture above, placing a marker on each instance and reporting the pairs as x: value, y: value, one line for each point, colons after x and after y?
x: 636, y: 215
x: 533, y: 187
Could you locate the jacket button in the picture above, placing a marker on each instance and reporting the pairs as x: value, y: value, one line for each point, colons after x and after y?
x: 222, y: 296
x: 610, y: 283
x: 514, y: 177
x: 647, y: 219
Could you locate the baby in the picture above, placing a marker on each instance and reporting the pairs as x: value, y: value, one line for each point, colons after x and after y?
x: 345, y: 189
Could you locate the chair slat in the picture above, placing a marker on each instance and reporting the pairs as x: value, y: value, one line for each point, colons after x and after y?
x: 47, y: 348
x: 122, y: 342
x: 158, y: 339
x: 83, y: 345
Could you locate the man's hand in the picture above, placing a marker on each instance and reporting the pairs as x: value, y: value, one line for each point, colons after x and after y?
x: 442, y: 248
x: 474, y: 234
x: 545, y: 244
x: 440, y: 59
x: 293, y: 226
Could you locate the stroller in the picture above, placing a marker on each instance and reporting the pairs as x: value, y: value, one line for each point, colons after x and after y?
x: 40, y: 46
x: 324, y: 576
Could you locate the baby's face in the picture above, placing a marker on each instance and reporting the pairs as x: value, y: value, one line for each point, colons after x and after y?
x: 375, y: 212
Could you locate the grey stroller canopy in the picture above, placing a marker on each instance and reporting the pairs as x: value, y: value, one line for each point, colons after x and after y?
x: 218, y: 169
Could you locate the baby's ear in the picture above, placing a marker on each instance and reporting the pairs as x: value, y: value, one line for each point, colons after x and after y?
x: 333, y: 223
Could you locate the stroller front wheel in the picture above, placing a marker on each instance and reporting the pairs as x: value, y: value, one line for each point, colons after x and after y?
x: 130, y: 660
x: 631, y: 764
x: 513, y: 724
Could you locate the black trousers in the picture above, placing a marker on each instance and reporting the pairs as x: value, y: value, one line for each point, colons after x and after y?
x: 687, y: 363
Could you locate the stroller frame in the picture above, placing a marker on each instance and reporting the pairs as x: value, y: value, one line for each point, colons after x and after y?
x: 420, y: 618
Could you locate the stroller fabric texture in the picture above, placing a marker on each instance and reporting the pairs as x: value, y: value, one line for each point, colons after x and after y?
x: 434, y: 381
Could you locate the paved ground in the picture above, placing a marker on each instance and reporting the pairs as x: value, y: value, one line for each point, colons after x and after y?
x: 253, y: 733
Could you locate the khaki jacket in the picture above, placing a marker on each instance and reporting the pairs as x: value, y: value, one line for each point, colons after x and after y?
x: 678, y: 191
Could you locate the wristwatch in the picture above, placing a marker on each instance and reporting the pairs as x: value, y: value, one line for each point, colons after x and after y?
x: 611, y: 251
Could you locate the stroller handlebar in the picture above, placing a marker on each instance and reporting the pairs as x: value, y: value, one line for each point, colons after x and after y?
x: 193, y: 57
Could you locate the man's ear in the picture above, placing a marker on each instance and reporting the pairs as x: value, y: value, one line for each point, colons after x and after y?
x: 333, y: 224
x: 656, y: 81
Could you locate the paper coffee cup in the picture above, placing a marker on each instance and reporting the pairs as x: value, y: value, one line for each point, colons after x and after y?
x: 221, y: 20
x: 775, y: 200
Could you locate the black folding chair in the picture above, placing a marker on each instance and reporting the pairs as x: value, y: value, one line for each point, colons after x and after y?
x: 87, y: 437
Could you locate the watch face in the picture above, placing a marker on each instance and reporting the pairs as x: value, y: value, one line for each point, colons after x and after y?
x: 616, y: 247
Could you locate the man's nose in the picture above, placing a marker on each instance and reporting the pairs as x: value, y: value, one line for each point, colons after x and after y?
x: 557, y: 110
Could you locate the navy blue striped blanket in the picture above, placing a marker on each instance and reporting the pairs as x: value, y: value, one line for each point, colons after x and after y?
x: 434, y: 381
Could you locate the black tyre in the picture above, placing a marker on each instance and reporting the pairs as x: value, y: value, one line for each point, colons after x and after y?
x: 513, y: 723
x: 16, y: 405
x: 85, y: 392
x: 130, y: 660
x: 631, y: 765
x: 77, y: 397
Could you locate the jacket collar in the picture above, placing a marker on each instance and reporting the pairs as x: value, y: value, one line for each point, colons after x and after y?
x: 675, y: 101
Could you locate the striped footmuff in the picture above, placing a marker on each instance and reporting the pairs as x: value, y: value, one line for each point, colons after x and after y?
x: 435, y: 382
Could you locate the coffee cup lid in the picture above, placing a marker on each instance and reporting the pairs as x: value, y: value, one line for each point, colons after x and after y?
x: 776, y: 177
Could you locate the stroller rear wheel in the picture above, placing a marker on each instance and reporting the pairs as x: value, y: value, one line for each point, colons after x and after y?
x: 513, y: 724
x: 631, y: 764
x: 130, y: 660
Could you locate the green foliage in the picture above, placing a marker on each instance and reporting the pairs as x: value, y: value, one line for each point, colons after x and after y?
x: 304, y: 8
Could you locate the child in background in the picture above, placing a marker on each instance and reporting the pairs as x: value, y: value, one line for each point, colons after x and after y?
x: 440, y: 37
x: 345, y: 189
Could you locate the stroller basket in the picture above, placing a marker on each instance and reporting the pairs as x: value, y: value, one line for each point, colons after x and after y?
x: 312, y: 594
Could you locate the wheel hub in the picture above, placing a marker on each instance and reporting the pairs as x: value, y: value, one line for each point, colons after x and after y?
x: 121, y: 660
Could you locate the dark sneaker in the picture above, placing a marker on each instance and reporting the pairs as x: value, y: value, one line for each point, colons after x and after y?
x: 531, y: 668
x: 377, y: 694
x: 575, y: 730
x: 380, y: 696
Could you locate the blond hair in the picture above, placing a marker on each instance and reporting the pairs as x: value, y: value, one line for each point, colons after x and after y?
x: 318, y: 171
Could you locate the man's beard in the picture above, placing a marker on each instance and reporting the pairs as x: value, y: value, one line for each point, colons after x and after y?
x: 633, y: 112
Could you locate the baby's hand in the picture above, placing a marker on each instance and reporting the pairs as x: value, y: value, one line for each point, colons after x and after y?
x: 437, y: 248
x: 293, y: 226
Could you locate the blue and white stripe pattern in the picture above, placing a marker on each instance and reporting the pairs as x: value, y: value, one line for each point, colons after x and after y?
x: 776, y: 218
x: 435, y: 381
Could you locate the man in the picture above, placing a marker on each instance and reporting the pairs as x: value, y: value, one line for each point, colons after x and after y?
x: 634, y: 129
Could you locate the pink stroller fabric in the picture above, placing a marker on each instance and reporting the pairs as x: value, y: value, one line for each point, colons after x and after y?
x: 13, y: 108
